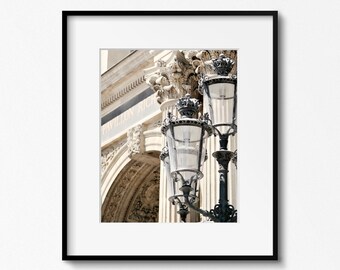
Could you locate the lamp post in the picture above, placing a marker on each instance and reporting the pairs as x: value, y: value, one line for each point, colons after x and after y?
x: 186, y: 141
x: 219, y: 91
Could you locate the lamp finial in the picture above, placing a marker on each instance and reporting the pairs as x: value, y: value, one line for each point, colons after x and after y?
x: 187, y: 106
x: 223, y: 65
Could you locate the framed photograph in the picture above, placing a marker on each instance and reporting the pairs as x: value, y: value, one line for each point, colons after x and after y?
x: 170, y: 142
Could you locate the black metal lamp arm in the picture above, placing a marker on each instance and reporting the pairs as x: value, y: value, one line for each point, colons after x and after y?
x: 186, y: 190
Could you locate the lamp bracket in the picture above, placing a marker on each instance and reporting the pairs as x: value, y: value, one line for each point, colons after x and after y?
x: 220, y: 213
x: 225, y: 213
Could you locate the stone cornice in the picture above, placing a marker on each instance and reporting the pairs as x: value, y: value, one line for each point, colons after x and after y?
x: 124, y: 77
x: 118, y: 73
x: 120, y: 93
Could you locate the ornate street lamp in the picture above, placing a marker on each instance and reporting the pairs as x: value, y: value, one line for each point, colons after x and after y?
x: 186, y: 141
x: 219, y: 91
x: 186, y: 145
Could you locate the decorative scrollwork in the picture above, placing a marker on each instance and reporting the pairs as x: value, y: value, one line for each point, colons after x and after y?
x: 109, y: 153
x: 157, y: 124
x: 173, y: 120
x: 234, y: 159
x: 170, y: 117
x: 135, y: 140
x: 206, y: 118
x: 164, y: 153
x: 173, y: 78
x: 145, y: 206
x: 224, y: 214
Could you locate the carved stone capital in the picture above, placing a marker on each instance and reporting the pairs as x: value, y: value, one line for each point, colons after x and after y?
x: 206, y: 60
x: 180, y: 73
x: 173, y: 78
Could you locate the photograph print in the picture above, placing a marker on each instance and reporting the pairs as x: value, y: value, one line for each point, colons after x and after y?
x: 168, y: 135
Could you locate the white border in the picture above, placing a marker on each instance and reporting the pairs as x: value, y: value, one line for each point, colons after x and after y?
x: 252, y: 36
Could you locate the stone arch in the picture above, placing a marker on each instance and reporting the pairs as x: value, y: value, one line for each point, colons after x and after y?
x: 114, y: 168
x: 134, y: 194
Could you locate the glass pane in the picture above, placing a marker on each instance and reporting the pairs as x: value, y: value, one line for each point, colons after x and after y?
x: 221, y: 104
x: 187, y: 141
x: 187, y: 133
x: 203, y: 153
x: 223, y: 113
x: 186, y: 152
x: 172, y: 150
x: 169, y: 181
x: 221, y: 90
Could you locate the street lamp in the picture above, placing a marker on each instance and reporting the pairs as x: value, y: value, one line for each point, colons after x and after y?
x: 186, y: 146
x: 186, y: 140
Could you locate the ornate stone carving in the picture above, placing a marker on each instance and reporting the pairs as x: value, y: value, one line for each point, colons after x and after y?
x: 109, y: 153
x: 203, y: 61
x: 120, y: 93
x: 134, y: 196
x: 146, y: 204
x: 174, y: 78
x: 157, y: 124
x: 118, y: 192
x: 182, y: 71
x: 135, y: 140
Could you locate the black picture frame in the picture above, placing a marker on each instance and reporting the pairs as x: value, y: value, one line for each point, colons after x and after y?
x: 65, y: 236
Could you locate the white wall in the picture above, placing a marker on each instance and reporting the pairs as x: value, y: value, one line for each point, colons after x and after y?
x: 30, y: 139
